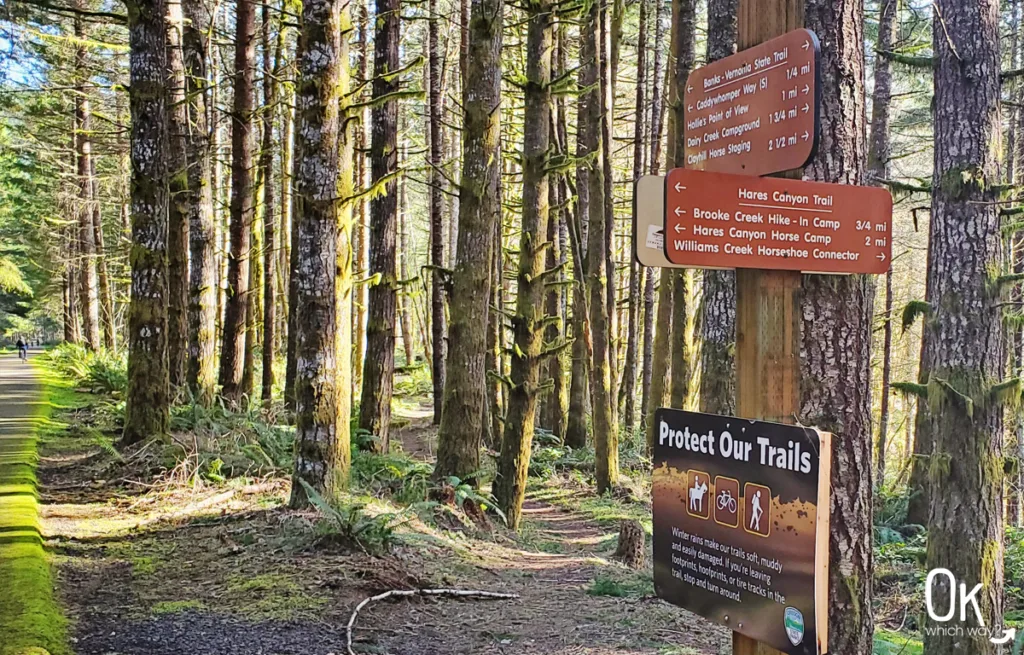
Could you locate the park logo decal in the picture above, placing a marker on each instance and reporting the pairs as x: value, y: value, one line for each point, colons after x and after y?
x: 794, y: 625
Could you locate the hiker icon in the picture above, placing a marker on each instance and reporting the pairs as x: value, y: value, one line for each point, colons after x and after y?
x: 757, y: 503
x: 697, y: 491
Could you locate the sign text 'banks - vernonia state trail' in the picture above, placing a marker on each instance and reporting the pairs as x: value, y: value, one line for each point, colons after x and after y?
x: 716, y: 220
x: 755, y: 112
x: 741, y: 514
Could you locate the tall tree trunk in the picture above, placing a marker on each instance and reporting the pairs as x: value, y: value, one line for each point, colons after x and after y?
x: 236, y: 320
x: 438, y: 321
x: 879, y: 153
x: 322, y: 224
x: 657, y: 92
x: 627, y: 389
x: 72, y: 329
x: 465, y: 407
x: 270, y: 76
x: 837, y: 318
x: 87, y: 290
x: 554, y: 403
x: 965, y: 526
x: 404, y: 300
x: 202, y: 312
x: 529, y: 320
x: 683, y: 57
x: 379, y: 367
x: 147, y: 408
x: 106, y: 295
x: 579, y: 381
x: 359, y: 240
x: 718, y: 301
x: 177, y: 224
x: 595, y: 111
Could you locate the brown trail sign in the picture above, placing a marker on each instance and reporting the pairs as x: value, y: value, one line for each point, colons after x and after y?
x: 755, y: 112
x: 716, y: 220
x: 741, y: 517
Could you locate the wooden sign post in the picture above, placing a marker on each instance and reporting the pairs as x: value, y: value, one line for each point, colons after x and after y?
x: 767, y: 301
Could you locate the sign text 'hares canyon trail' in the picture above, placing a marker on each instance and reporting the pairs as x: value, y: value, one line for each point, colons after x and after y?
x: 715, y: 220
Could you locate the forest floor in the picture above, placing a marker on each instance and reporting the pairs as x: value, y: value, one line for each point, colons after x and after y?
x: 176, y: 563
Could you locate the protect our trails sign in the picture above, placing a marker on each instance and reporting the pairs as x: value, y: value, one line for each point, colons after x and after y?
x: 741, y: 511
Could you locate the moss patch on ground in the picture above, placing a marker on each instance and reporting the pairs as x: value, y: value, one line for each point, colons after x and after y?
x: 30, y: 620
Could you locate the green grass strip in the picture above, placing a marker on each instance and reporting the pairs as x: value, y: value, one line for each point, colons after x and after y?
x: 31, y: 623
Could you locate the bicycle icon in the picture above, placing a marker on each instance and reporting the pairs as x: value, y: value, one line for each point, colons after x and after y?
x: 726, y: 502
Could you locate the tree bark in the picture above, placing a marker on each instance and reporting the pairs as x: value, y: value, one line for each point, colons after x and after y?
x: 965, y: 526
x: 598, y: 275
x: 359, y: 240
x: 88, y: 284
x: 718, y: 298
x: 271, y: 72
x: 236, y: 320
x: 438, y: 319
x: 147, y: 408
x: 379, y: 366
x: 202, y: 311
x: 836, y: 341
x: 177, y: 224
x: 321, y: 277
x: 627, y: 388
x: 471, y: 406
x: 530, y: 317
x: 106, y: 297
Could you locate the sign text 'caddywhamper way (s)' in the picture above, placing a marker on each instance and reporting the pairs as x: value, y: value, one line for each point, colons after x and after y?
x: 716, y: 220
x: 755, y: 112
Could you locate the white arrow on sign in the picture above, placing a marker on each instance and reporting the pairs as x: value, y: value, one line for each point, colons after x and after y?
x: 679, y: 187
x: 806, y: 89
x: 806, y: 135
x: 679, y: 212
x: 806, y: 108
x: 689, y: 108
x: 678, y: 228
x: 807, y: 44
x: 689, y: 88
x: 881, y: 256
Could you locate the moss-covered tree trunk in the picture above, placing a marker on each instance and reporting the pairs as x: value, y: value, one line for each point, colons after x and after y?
x: 322, y: 276
x: 718, y: 299
x: 87, y: 291
x: 438, y: 318
x: 529, y: 320
x: 554, y: 403
x: 836, y: 341
x: 879, y: 153
x: 147, y: 405
x: 594, y: 109
x: 361, y: 233
x: 177, y: 223
x: 965, y: 526
x: 379, y: 365
x: 576, y: 431
x: 271, y: 73
x: 236, y: 320
x: 627, y: 388
x: 202, y: 308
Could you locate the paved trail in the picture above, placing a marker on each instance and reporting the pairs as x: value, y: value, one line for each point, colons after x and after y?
x: 28, y: 617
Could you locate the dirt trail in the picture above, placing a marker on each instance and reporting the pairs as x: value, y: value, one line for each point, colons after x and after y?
x: 206, y: 571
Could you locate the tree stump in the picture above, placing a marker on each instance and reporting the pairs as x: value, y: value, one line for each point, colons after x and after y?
x: 632, y: 544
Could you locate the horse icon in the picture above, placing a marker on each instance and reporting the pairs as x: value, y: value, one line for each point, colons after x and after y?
x: 697, y: 495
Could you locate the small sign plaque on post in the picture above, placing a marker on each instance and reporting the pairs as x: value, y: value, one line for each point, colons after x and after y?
x: 716, y: 220
x: 741, y: 512
x: 755, y: 112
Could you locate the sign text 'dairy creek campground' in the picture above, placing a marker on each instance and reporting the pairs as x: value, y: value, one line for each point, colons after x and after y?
x: 755, y: 112
x: 716, y: 220
x: 741, y: 525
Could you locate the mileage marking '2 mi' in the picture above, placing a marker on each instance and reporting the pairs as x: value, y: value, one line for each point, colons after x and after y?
x: 718, y: 220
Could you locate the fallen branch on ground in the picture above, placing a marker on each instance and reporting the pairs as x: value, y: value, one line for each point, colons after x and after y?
x: 449, y: 593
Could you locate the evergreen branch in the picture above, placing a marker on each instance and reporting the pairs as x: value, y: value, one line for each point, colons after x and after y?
x: 907, y: 60
x: 910, y: 389
x: 416, y: 94
x: 914, y: 310
x: 896, y: 185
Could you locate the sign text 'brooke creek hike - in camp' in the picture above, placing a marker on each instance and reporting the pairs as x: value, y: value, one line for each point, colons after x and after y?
x: 755, y: 112
x: 741, y: 525
x: 715, y: 220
